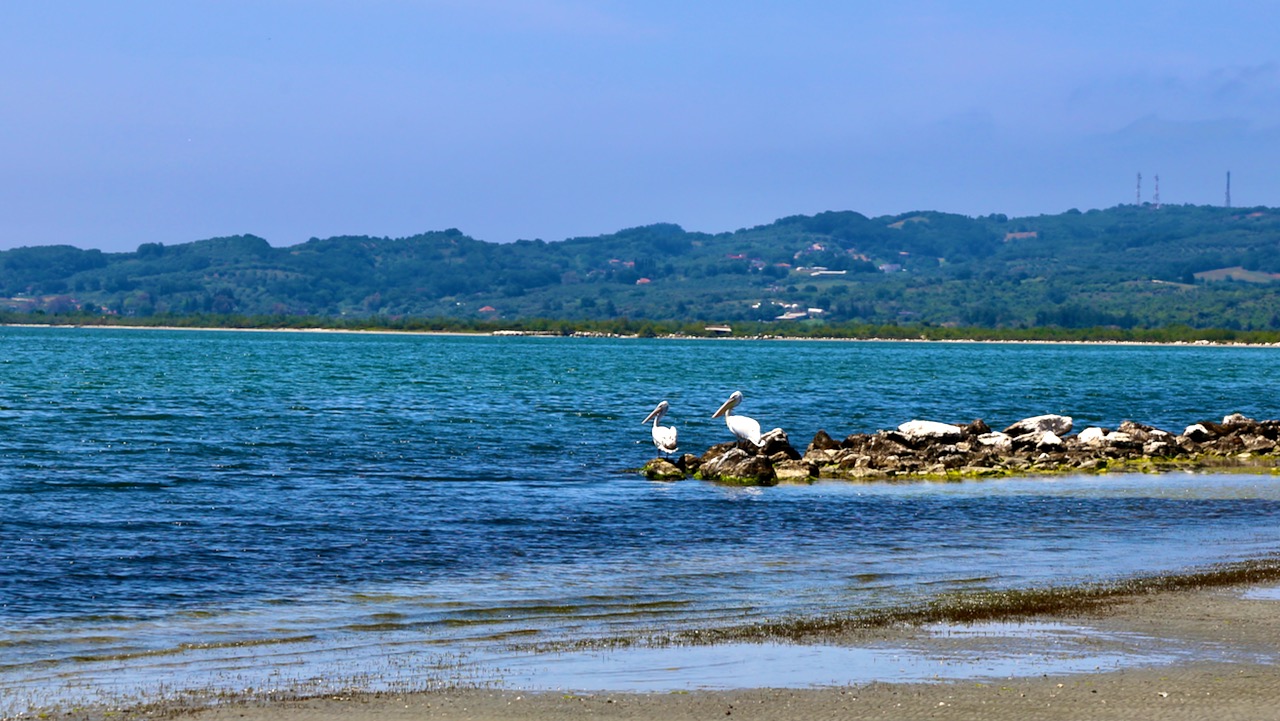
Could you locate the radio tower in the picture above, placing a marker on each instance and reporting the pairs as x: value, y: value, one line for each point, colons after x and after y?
x: 1156, y: 198
x: 1228, y: 188
x: 1138, y: 198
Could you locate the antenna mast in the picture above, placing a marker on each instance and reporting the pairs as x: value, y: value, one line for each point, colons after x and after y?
x: 1156, y: 198
x: 1138, y: 198
x: 1228, y: 188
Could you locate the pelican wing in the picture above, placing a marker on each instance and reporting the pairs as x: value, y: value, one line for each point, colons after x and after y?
x: 747, y: 429
x: 664, y: 437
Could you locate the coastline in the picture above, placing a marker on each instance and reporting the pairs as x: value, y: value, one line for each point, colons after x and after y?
x: 1215, y: 619
x: 590, y: 334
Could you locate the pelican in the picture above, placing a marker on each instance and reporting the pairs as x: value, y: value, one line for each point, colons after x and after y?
x: 746, y: 429
x: 664, y: 437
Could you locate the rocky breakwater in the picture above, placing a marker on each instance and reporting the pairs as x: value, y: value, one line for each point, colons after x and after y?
x: 929, y: 450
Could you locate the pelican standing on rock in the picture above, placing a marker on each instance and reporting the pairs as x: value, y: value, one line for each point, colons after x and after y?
x: 746, y: 429
x: 664, y: 437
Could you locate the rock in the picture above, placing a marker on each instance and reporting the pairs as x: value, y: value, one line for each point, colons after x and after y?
x: 822, y: 442
x: 895, y: 436
x: 795, y: 471
x: 1000, y: 442
x: 821, y: 456
x: 775, y: 442
x: 1198, y: 433
x: 1040, y: 441
x: 739, y: 466
x: 1092, y: 436
x: 1141, y: 432
x: 1258, y: 444
x: 855, y: 441
x: 688, y: 463
x: 921, y: 449
x: 1058, y: 425
x: 661, y: 469
x: 886, y: 442
x: 887, y: 463
x: 919, y: 433
x: 1120, y: 438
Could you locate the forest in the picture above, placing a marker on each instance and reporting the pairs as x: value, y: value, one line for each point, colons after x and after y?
x: 1126, y: 268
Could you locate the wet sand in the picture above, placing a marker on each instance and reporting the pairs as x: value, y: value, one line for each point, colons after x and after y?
x: 1216, y: 620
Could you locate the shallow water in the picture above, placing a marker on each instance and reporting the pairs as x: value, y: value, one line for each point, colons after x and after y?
x: 190, y: 506
x: 984, y: 652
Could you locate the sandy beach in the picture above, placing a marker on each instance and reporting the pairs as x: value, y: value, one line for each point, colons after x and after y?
x: 1217, y: 620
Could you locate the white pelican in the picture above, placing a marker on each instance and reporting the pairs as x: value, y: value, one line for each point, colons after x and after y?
x: 746, y: 429
x: 664, y: 437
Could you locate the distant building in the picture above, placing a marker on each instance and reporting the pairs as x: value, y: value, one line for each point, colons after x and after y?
x: 1022, y: 235
x: 488, y: 309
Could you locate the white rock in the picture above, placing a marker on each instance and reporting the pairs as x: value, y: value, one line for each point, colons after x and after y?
x: 1092, y: 436
x: 1195, y: 430
x: 1000, y: 441
x: 775, y: 434
x: 930, y: 430
x: 1040, y: 440
x: 1058, y: 425
x: 1236, y: 418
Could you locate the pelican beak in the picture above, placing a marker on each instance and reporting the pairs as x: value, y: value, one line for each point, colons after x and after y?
x: 724, y: 408
x: 656, y: 412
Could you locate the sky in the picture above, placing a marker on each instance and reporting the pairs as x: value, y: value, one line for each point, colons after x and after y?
x: 153, y: 121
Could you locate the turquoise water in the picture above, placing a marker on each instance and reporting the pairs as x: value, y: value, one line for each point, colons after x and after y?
x: 227, y: 508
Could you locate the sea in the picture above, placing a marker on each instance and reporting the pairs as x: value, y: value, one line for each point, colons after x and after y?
x: 217, y: 513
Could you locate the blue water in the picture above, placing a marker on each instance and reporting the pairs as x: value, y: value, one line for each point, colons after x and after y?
x: 358, y: 503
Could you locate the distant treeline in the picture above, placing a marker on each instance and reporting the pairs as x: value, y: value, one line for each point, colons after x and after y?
x: 1129, y: 269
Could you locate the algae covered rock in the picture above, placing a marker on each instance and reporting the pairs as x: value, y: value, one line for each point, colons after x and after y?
x: 661, y: 469
x: 739, y: 467
x: 927, y: 450
x: 795, y: 471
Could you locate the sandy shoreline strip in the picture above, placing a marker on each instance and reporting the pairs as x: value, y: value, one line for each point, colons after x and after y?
x: 541, y: 334
x: 1222, y: 621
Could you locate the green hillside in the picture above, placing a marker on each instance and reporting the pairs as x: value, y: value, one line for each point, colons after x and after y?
x: 1128, y: 266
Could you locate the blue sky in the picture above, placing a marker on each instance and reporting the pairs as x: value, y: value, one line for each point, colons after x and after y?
x: 134, y: 121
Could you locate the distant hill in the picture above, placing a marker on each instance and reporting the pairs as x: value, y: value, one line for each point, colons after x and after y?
x: 1128, y: 266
